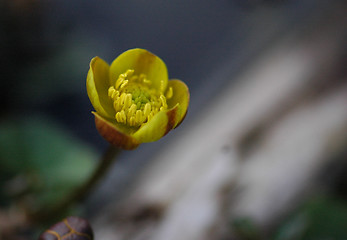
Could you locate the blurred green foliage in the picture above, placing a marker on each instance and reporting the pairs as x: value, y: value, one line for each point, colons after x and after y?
x: 40, y: 163
x: 319, y: 219
x: 246, y: 229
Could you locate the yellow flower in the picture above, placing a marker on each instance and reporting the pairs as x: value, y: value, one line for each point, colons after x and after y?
x: 133, y: 98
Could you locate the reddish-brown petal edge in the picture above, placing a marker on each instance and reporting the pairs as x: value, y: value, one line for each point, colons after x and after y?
x: 171, y: 115
x: 114, y: 136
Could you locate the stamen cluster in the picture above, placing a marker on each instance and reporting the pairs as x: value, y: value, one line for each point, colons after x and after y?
x: 134, y: 101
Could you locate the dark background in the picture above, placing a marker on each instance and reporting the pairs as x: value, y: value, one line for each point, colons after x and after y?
x: 48, y: 141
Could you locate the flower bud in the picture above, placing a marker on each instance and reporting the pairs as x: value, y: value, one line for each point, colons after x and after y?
x: 70, y: 228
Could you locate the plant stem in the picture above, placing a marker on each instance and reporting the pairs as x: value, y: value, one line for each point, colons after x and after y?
x: 105, y: 162
x: 107, y: 159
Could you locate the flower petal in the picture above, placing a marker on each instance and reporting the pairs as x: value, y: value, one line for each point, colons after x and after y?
x: 114, y: 134
x: 154, y: 129
x: 142, y: 61
x: 164, y: 121
x: 180, y: 99
x: 97, y: 87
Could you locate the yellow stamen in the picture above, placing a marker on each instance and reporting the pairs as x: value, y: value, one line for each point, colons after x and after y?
x: 132, y: 121
x: 146, y: 81
x: 129, y: 72
x: 150, y: 116
x: 127, y: 101
x: 138, y: 116
x: 169, y: 93
x: 111, y: 92
x: 124, y: 118
x: 122, y: 99
x: 135, y: 103
x: 124, y: 83
x: 132, y: 111
x: 116, y: 105
x: 147, y: 109
x: 119, y: 81
x: 118, y: 117
x: 163, y: 101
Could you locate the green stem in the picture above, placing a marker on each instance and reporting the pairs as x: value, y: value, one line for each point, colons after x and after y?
x: 105, y: 162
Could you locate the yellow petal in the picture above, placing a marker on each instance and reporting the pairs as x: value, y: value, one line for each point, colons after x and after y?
x: 154, y: 129
x: 97, y: 87
x: 164, y: 121
x: 142, y: 62
x: 113, y: 134
x: 180, y: 100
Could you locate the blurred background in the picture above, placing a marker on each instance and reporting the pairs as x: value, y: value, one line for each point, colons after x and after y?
x: 260, y: 155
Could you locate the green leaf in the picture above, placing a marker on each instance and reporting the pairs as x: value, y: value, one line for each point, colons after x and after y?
x: 40, y: 163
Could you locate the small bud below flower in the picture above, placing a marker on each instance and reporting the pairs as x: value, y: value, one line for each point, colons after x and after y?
x: 70, y: 228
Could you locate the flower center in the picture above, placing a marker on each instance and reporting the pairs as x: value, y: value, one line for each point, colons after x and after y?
x: 134, y: 101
